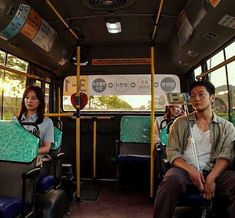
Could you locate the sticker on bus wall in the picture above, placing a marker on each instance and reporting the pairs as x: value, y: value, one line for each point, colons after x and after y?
x: 45, y: 36
x: 227, y: 21
x: 184, y: 28
x: 16, y: 23
x: 214, y: 3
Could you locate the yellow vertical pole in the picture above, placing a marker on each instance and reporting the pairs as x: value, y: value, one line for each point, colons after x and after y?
x: 78, y: 126
x: 94, y: 148
x: 152, y: 125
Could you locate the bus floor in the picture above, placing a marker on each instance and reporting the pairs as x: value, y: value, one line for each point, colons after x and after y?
x: 114, y: 202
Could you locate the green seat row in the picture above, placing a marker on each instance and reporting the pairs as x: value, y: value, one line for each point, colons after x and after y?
x: 16, y: 143
x: 135, y: 129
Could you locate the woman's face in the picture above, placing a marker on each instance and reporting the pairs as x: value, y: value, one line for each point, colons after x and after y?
x: 175, y: 110
x: 31, y: 101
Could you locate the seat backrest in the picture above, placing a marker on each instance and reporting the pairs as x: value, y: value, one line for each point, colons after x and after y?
x: 52, y: 168
x: 57, y: 135
x: 135, y: 135
x: 164, y: 131
x: 135, y: 129
x: 57, y: 139
x: 18, y: 154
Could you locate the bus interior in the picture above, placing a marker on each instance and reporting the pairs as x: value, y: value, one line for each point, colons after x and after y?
x: 65, y: 47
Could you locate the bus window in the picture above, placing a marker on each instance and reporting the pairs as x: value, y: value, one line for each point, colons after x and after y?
x: 118, y: 103
x: 38, y: 83
x: 230, y: 53
x: 47, y: 90
x: 16, y: 63
x: 121, y: 92
x: 2, y: 57
x: 12, y: 86
x: 11, y: 94
x: 218, y: 78
x: 197, y: 71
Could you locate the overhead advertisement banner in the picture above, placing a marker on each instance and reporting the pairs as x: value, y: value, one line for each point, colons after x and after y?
x: 32, y: 25
x: 122, y: 84
x: 16, y: 23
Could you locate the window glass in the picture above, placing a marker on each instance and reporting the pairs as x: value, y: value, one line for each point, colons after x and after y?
x: 231, y: 78
x: 215, y: 60
x: 2, y: 57
x: 218, y: 78
x: 118, y: 103
x: 197, y: 71
x: 1, y: 93
x: 230, y: 50
x: 38, y: 83
x: 120, y: 92
x: 16, y: 63
x: 12, y: 91
x: 47, y: 89
x: 12, y: 86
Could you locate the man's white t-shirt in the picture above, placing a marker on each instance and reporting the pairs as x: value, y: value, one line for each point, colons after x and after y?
x: 203, y: 148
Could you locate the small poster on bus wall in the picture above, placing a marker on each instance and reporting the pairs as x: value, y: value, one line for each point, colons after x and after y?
x: 45, y: 36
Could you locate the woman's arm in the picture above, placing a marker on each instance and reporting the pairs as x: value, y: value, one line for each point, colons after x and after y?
x: 45, y: 148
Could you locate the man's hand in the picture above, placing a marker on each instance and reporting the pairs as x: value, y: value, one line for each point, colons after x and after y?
x: 197, y: 178
x: 209, y: 188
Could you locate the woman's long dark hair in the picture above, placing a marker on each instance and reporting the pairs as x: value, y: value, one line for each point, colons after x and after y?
x: 41, y: 107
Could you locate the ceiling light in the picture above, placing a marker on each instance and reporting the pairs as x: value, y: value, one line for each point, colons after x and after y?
x: 113, y: 26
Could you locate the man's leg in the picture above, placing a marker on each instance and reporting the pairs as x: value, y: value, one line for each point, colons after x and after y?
x: 173, y: 185
x: 225, y: 187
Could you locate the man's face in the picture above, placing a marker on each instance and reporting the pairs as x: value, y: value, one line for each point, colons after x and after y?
x: 201, y: 98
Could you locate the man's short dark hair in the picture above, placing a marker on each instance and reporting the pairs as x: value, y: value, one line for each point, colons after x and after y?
x: 207, y: 84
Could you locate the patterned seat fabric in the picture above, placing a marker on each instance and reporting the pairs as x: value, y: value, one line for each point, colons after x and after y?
x: 18, y: 153
x: 17, y: 144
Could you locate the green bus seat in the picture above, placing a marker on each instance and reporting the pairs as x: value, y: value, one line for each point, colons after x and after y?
x: 18, y: 154
x: 135, y: 129
x: 51, y: 200
x: 57, y: 139
x: 16, y: 144
x: 134, y: 151
x: 164, y: 131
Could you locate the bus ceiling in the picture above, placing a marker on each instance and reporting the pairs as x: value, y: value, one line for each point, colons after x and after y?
x: 187, y: 32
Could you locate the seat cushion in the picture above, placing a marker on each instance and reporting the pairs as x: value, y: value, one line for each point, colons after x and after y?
x: 9, y: 207
x: 45, y: 183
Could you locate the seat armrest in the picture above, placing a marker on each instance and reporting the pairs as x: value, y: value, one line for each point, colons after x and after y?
x: 32, y: 174
x: 59, y: 156
x: 57, y: 175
